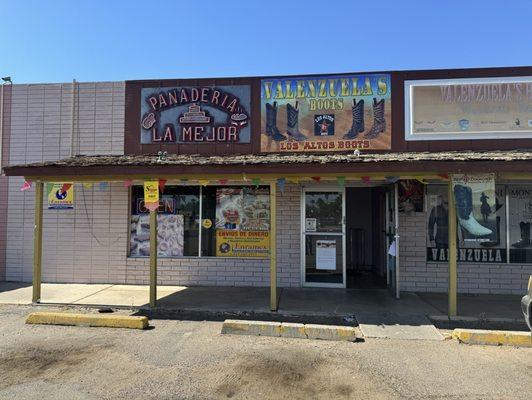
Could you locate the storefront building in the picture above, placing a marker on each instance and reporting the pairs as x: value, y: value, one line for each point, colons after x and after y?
x: 337, y: 181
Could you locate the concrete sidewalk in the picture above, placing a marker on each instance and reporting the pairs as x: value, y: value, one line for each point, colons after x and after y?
x: 292, y: 301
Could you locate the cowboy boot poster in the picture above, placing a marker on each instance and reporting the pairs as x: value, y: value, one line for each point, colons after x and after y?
x: 332, y: 113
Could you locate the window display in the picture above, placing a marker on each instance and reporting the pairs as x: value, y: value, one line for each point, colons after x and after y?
x: 235, y: 222
x: 520, y: 221
x: 487, y: 247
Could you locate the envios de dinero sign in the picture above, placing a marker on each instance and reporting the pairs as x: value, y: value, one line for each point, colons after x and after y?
x: 202, y: 114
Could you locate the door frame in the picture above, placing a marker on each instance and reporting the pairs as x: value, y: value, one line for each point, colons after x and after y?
x: 334, y: 189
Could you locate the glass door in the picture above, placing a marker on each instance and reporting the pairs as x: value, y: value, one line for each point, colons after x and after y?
x: 323, y: 238
x: 392, y: 240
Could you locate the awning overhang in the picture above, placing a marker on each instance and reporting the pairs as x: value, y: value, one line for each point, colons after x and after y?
x: 118, y: 167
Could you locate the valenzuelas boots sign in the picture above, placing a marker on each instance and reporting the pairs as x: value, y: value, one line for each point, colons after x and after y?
x: 328, y: 113
x: 204, y: 114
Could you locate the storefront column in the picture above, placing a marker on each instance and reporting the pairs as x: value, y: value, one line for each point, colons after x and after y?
x: 452, y: 252
x: 273, y: 242
x: 153, y: 258
x: 37, y: 244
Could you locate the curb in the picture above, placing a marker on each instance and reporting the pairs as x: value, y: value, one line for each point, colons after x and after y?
x: 494, y: 338
x: 289, y: 330
x: 92, y: 320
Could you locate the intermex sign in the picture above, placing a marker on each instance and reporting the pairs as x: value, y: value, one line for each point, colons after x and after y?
x: 203, y: 114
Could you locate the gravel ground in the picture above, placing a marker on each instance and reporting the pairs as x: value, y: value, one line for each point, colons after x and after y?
x: 191, y: 360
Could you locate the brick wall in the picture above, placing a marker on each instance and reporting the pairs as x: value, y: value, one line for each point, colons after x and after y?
x: 419, y: 276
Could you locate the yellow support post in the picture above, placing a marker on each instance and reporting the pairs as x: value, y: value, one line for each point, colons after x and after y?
x: 153, y: 258
x: 452, y: 253
x: 273, y: 253
x: 37, y: 244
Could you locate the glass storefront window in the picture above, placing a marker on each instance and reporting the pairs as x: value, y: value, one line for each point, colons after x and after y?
x: 323, y: 212
x: 235, y: 222
x: 177, y: 223
x: 520, y: 222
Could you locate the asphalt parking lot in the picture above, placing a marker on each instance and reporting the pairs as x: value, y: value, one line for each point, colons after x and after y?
x: 192, y: 360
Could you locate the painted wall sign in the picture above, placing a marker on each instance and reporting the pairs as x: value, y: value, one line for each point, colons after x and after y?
x: 207, y: 114
x: 327, y: 113
x: 487, y: 108
x: 60, y: 195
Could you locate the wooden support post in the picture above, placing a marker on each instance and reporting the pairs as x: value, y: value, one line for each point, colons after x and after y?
x: 452, y: 253
x: 37, y: 243
x: 153, y: 258
x: 273, y: 253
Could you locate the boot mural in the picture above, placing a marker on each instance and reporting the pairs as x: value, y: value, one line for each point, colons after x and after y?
x: 271, y: 123
x: 464, y: 207
x: 357, y: 111
x: 379, y: 122
x: 525, y: 236
x: 292, y: 122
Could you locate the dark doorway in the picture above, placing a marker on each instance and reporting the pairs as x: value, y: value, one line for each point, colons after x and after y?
x: 365, y: 240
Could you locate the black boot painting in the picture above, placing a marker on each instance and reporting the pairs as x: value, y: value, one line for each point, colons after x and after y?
x: 495, y: 242
x: 292, y: 123
x: 464, y: 207
x: 525, y: 236
x: 357, y: 125
x: 379, y: 122
x: 271, y: 123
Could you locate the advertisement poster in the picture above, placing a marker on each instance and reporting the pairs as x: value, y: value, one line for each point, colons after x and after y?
x: 203, y: 114
x: 231, y: 243
x: 327, y: 113
x: 170, y: 235
x: 520, y: 198
x: 256, y: 207
x: 410, y: 195
x: 242, y: 222
x: 151, y: 192
x: 60, y: 195
x: 489, y: 249
x: 326, y: 254
x: 468, y: 109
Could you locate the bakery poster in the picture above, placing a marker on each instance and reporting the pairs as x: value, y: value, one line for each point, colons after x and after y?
x: 60, y: 195
x: 497, y: 108
x: 326, y: 113
x: 326, y: 255
x: 242, y: 222
x: 170, y: 235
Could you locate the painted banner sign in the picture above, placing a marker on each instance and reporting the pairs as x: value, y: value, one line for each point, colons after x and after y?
x: 498, y: 108
x: 203, y: 114
x: 326, y: 113
x: 60, y: 195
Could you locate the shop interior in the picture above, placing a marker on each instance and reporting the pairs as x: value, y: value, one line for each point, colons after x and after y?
x: 365, y: 237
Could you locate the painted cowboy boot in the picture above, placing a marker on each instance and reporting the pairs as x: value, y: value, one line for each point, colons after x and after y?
x: 379, y: 123
x: 292, y: 123
x: 464, y: 207
x: 271, y: 123
x: 358, y: 120
x: 525, y: 236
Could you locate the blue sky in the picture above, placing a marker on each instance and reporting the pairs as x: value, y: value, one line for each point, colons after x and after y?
x: 56, y: 41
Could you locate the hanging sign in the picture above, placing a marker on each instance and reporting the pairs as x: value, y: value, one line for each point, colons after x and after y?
x: 151, y: 195
x: 326, y: 113
x: 202, y: 114
x: 326, y: 254
x: 480, y: 108
x: 60, y: 195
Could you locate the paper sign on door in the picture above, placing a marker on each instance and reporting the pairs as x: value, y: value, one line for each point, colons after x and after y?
x: 326, y: 254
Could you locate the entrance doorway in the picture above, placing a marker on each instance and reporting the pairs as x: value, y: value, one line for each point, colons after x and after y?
x: 366, y: 257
